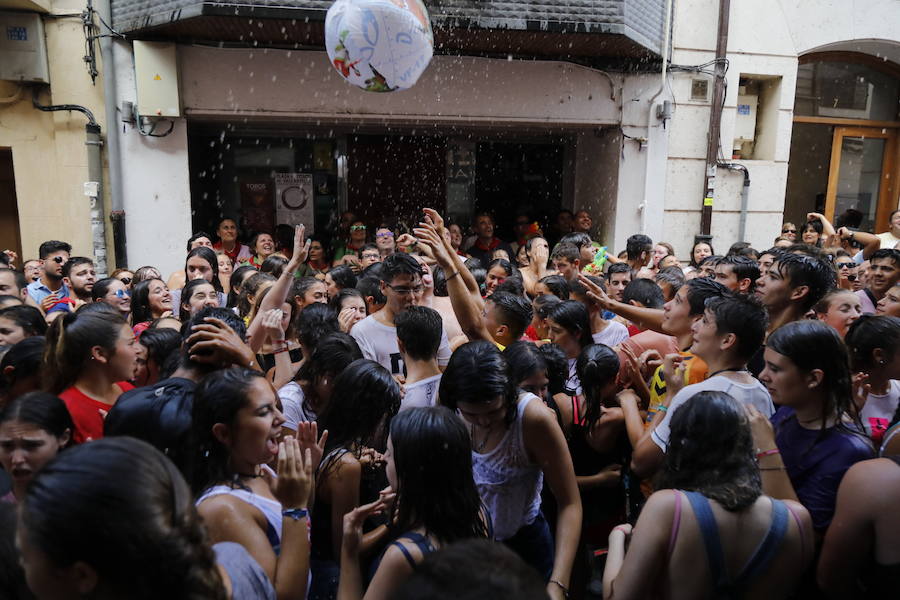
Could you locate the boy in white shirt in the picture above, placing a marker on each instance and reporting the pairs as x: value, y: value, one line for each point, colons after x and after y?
x: 419, y: 338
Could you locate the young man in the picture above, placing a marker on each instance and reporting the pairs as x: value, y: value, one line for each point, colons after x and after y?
x: 730, y: 331
x: 369, y: 255
x: 583, y: 222
x: 49, y: 289
x: 419, y: 337
x: 669, y: 280
x: 33, y: 270
x: 370, y: 288
x: 402, y: 287
x: 228, y: 233
x: 567, y: 260
x: 79, y: 276
x: 792, y: 286
x: 611, y: 333
x: 618, y: 276
x: 883, y: 273
x: 638, y: 252
x: 737, y: 273
x: 485, y: 242
x: 13, y: 283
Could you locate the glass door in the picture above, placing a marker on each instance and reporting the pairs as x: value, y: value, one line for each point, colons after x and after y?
x: 860, y: 183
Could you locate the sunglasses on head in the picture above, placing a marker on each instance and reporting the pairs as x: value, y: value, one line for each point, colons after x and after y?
x: 125, y: 280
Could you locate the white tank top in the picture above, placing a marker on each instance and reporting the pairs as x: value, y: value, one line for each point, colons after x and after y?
x: 509, y: 484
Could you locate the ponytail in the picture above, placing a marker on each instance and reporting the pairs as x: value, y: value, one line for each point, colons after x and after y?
x: 70, y: 339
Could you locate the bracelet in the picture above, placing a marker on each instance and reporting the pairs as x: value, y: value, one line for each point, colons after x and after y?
x: 295, y: 513
x: 765, y: 453
x: 662, y: 408
x: 281, y: 350
x: 561, y: 586
x: 455, y: 273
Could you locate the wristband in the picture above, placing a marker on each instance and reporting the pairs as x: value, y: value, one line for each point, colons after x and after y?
x: 765, y: 453
x: 295, y: 513
x: 561, y: 586
x: 455, y: 273
x: 662, y: 408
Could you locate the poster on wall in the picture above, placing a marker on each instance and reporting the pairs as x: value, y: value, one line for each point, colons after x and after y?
x: 294, y: 199
x: 257, y: 208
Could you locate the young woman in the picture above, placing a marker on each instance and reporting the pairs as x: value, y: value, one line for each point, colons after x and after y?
x: 161, y: 346
x: 114, y: 292
x: 20, y: 322
x: 150, y: 300
x: 146, y: 540
x: 812, y: 233
x: 497, y: 272
x: 539, y: 330
x: 90, y: 357
x: 699, y: 252
x: 660, y: 251
x: 33, y: 430
x: 124, y: 275
x: 262, y: 246
x: 838, y: 309
x: 236, y: 427
x: 710, y: 518
x: 274, y: 265
x: 432, y: 508
x: 874, y: 344
x: 555, y: 285
x: 195, y: 296
x: 350, y: 306
x: 817, y: 432
x: 364, y: 400
x: 21, y: 369
x: 226, y: 268
x: 319, y: 261
x: 307, y: 396
x: 542, y: 371
x: 337, y: 279
x: 252, y: 286
x: 517, y: 443
x: 569, y: 326
x: 235, y: 283
x: 890, y: 303
x: 201, y: 263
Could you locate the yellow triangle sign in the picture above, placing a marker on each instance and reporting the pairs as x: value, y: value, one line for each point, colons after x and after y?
x: 157, y: 78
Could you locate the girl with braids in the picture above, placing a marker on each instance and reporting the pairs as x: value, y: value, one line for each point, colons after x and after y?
x: 433, y: 507
x: 816, y: 430
x: 874, y: 344
x: 710, y: 503
x: 516, y: 444
x: 364, y: 400
x: 89, y: 357
x: 236, y: 427
x: 146, y: 540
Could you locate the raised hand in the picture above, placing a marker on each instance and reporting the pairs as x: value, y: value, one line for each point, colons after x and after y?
x: 301, y: 248
x: 291, y: 487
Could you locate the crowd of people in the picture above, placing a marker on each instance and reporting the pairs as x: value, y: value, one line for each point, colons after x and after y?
x: 445, y: 414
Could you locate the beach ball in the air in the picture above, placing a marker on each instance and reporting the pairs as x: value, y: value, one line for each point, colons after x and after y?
x: 379, y: 45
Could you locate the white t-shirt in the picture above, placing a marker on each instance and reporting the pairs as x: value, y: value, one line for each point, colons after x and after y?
x: 754, y: 394
x: 614, y: 334
x: 292, y: 406
x: 887, y: 240
x: 877, y: 412
x: 378, y: 342
x: 573, y: 383
x: 421, y: 393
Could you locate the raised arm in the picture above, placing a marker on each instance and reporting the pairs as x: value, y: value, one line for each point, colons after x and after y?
x: 870, y: 241
x: 646, y: 318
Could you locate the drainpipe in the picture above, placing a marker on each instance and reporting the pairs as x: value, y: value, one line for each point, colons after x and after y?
x: 93, y: 187
x: 715, y: 123
x: 110, y: 96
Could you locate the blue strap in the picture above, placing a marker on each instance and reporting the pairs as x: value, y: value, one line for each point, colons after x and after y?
x: 273, y: 538
x: 768, y: 547
x: 421, y: 542
x: 710, y: 531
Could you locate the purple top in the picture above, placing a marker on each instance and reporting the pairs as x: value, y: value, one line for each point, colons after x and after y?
x: 817, y: 464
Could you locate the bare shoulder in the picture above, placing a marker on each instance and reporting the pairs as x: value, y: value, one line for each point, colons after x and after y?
x: 220, y: 510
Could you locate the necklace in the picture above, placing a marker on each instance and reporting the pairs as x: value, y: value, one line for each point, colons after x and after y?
x: 730, y: 370
x: 487, y: 436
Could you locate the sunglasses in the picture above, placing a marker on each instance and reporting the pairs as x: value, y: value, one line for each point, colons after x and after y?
x: 389, y: 234
x: 125, y: 280
x: 357, y: 228
x: 59, y: 260
x: 788, y: 231
x: 844, y: 265
x: 123, y: 294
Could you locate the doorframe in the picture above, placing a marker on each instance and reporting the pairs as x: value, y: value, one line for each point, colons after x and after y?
x: 890, y: 170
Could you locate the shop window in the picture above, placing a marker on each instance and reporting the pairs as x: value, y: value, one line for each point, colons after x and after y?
x: 845, y: 90
x: 756, y: 117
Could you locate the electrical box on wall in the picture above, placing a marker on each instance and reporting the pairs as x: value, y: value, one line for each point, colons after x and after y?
x: 23, y: 48
x: 745, y: 122
x: 156, y: 79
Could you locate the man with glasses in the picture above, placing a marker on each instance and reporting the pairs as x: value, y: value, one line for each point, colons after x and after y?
x: 401, y: 284
x: 846, y: 269
x: 368, y: 256
x: 50, y: 288
x: 789, y: 232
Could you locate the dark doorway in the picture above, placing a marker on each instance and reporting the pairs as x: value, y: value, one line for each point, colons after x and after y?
x: 10, y: 237
x: 392, y: 178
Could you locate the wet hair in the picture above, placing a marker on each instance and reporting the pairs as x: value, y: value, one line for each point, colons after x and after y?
x: 711, y: 261
x: 140, y: 301
x: 711, y: 451
x: 314, y: 322
x: 235, y: 281
x: 420, y: 329
x: 368, y: 247
x: 700, y: 290
x: 557, y: 285
x: 69, y: 342
x: 73, y: 262
x: 26, y: 358
x: 225, y: 315
x: 573, y: 317
x: 364, y: 400
x: 302, y: 285
x: 209, y: 255
x: 373, y: 271
x: 145, y: 273
x: 693, y: 262
x: 371, y: 287
x: 745, y: 317
x: 509, y: 268
x: 579, y: 239
x: 868, y: 333
x: 480, y: 276
x: 351, y: 292
x: 473, y: 570
x: 399, y: 263
x: 742, y: 267
x: 513, y: 311
x: 217, y: 399
x: 674, y: 276
x: 195, y: 237
x: 570, y: 252
x: 163, y: 348
x: 101, y: 288
x: 42, y: 409
x: 27, y: 317
x: 815, y: 273
x: 251, y: 287
x: 274, y: 265
x: 146, y: 539
x: 186, y: 292
x: 524, y: 359
x: 824, y: 304
x: 343, y: 276
x: 646, y: 291
x: 477, y: 374
x: 52, y: 247
x: 440, y: 281
x: 332, y: 354
x: 795, y: 341
x: 597, y: 366
x: 890, y: 253
x: 543, y: 304
x: 557, y: 369
x: 441, y: 498
x: 512, y: 285
x: 618, y: 268
x: 637, y: 244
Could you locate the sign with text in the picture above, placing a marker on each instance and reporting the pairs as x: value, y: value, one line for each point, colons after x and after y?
x: 294, y: 199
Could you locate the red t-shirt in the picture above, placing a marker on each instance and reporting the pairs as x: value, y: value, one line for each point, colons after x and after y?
x: 86, y: 413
